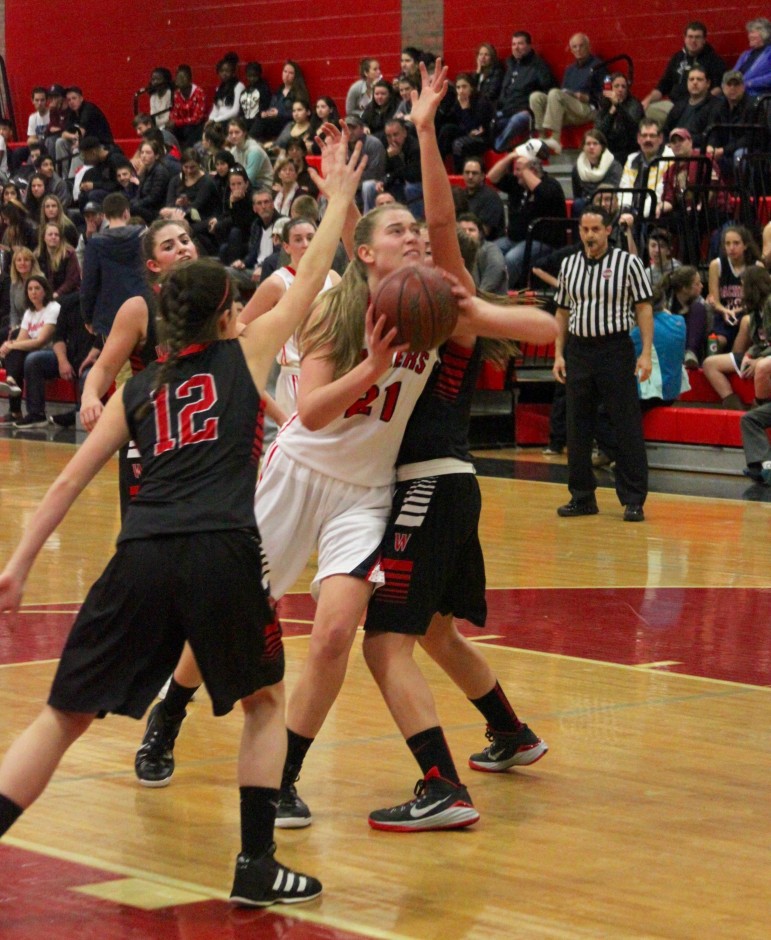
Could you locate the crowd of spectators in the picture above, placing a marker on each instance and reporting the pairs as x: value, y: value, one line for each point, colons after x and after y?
x: 234, y: 167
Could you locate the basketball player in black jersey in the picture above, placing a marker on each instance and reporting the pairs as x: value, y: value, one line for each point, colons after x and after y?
x: 197, y: 420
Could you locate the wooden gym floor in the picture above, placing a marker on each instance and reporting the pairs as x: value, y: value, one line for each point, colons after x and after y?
x: 641, y: 653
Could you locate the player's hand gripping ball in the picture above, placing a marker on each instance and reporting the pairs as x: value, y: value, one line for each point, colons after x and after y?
x: 419, y: 302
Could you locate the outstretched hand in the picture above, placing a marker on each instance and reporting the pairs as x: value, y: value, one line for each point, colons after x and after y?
x: 341, y: 171
x: 432, y: 89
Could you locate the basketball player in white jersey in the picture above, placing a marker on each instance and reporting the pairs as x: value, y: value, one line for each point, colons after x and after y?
x: 296, y: 238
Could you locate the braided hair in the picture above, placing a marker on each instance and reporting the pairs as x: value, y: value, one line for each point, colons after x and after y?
x: 193, y: 296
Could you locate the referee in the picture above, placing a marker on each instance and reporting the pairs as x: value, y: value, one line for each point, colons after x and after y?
x: 601, y: 291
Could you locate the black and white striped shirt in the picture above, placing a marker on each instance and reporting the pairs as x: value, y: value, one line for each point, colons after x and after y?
x: 600, y: 294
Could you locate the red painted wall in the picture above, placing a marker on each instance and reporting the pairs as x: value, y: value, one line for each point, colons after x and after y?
x: 109, y: 47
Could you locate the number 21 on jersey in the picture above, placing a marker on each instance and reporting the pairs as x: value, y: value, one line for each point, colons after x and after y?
x: 192, y: 426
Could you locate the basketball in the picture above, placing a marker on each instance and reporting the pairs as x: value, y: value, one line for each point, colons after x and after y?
x: 419, y: 302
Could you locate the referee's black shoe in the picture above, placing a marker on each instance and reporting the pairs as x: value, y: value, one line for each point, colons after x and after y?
x: 633, y: 512
x: 579, y: 507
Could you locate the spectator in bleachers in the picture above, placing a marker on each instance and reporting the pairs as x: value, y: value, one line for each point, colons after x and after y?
x: 37, y: 329
x: 58, y: 261
x: 28, y: 165
x: 85, y: 120
x: 661, y: 261
x: 484, y: 201
x: 619, y: 116
x: 576, y: 101
x: 188, y: 110
x: 260, y: 236
x: 409, y: 64
x: 11, y: 191
x: 37, y: 125
x: 683, y: 287
x: 128, y: 181
x: 300, y: 127
x: 467, y: 128
x: 53, y: 211
x: 360, y: 93
x: 58, y: 115
x: 33, y: 198
x: 380, y: 110
x: 153, y: 182
x: 55, y: 185
x: 596, y: 165
x: 726, y: 142
x: 23, y: 265
x: 644, y: 171
x: 278, y: 112
x: 695, y: 111
x: 192, y: 192
x: 325, y: 109
x: 673, y: 84
x: 402, y: 170
x: 375, y: 152
x: 248, y: 153
x: 95, y: 224
x: 404, y: 88
x: 489, y: 73
x: 755, y: 63
x: 738, y: 252
x: 227, y: 97
x: 285, y: 186
x: 254, y: 97
x: 767, y: 245
x: 232, y: 227
x: 112, y: 267
x: 161, y: 91
x: 297, y: 153
x: 533, y: 194
x: 101, y: 177
x: 212, y: 143
x: 489, y: 268
x: 526, y: 72
x: 753, y: 340
x: 20, y: 230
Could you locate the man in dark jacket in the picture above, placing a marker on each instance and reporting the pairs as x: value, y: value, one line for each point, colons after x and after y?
x: 526, y: 72
x: 112, y: 267
x: 100, y: 178
x: 729, y: 141
x: 533, y: 194
x: 85, y: 120
x: 673, y: 84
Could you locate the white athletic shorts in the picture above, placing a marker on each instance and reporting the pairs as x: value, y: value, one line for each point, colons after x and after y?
x: 299, y: 510
x: 286, y: 389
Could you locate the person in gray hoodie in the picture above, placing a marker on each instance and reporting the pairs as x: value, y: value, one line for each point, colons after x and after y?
x: 112, y: 267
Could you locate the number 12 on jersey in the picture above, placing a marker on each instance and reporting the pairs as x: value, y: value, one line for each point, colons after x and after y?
x: 193, y: 427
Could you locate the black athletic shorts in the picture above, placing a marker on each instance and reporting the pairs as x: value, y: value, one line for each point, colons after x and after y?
x: 431, y: 556
x: 156, y: 593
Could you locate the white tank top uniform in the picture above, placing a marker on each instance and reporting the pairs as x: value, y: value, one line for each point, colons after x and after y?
x: 331, y: 489
x: 289, y: 356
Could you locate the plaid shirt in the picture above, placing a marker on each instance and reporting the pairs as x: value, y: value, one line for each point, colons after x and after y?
x: 190, y: 110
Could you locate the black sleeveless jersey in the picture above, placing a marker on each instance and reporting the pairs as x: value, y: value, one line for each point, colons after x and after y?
x: 140, y: 359
x: 439, y: 423
x: 200, y: 440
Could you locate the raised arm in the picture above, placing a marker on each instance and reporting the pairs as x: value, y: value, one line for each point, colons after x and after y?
x: 265, y: 336
x: 437, y: 192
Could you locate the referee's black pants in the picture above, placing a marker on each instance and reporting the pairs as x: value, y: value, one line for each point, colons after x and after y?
x: 602, y: 370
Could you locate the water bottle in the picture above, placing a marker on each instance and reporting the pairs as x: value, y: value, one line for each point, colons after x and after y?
x: 713, y: 347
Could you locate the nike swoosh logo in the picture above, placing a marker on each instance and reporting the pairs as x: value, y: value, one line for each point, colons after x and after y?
x: 417, y: 813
